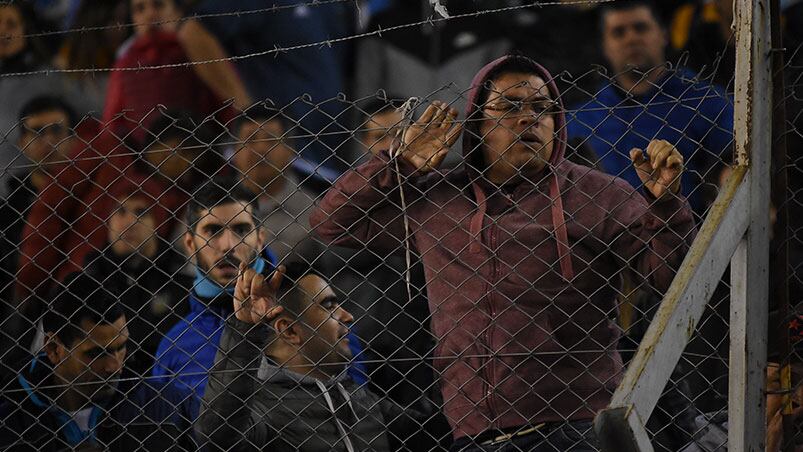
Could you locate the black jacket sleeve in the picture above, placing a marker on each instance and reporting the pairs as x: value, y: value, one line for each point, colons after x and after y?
x: 228, y: 420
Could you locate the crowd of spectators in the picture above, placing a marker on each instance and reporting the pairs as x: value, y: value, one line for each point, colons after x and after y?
x: 215, y: 236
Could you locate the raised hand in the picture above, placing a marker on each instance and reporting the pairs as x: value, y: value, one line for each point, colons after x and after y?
x: 255, y: 298
x: 662, y: 171
x: 426, y: 142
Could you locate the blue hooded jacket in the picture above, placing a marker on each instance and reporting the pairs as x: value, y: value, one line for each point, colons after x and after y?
x: 141, y: 415
x: 187, y: 352
x: 695, y: 116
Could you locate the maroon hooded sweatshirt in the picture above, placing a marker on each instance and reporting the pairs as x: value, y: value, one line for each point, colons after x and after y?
x: 522, y: 282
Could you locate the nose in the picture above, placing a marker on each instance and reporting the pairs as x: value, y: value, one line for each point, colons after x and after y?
x: 344, y: 316
x: 528, y: 117
x: 113, y: 363
x: 228, y: 240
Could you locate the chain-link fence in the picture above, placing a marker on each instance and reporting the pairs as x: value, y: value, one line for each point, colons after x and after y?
x: 461, y: 256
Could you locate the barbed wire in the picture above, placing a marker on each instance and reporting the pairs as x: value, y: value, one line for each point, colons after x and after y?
x: 277, y: 49
x: 273, y: 8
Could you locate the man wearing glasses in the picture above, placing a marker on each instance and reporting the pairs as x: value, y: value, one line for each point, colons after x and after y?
x: 523, y: 252
x: 45, y: 138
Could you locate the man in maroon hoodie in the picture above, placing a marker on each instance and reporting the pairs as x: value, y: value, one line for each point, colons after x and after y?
x: 523, y: 252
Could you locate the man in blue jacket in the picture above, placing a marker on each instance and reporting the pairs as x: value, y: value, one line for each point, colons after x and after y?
x: 71, y: 395
x: 223, y: 232
x: 645, y: 100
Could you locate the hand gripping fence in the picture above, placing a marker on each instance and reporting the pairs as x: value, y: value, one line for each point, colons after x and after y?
x: 184, y: 273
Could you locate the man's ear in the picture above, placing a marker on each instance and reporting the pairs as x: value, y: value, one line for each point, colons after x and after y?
x: 189, y: 243
x: 54, y: 349
x: 288, y: 330
x: 261, y: 236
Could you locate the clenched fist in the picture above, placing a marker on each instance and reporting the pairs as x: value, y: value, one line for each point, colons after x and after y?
x: 661, y: 172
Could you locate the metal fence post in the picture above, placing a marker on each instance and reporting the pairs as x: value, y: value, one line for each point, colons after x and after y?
x: 749, y: 265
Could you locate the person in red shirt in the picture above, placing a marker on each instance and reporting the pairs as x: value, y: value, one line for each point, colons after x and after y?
x: 164, y: 38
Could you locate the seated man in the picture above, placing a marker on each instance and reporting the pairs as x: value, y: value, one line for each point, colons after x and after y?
x: 264, y: 161
x: 141, y: 270
x: 222, y: 233
x: 280, y: 382
x: 70, y: 396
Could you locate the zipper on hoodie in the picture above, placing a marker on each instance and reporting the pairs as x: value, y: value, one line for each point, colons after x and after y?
x: 491, y: 368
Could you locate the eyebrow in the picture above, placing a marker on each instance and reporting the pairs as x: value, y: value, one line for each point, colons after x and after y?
x: 108, y: 350
x: 230, y: 224
x: 514, y: 98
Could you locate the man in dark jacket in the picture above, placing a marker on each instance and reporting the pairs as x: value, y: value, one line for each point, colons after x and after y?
x: 70, y: 396
x: 141, y: 270
x: 523, y: 253
x: 45, y: 138
x: 280, y: 379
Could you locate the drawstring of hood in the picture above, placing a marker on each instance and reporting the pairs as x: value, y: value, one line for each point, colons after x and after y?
x: 342, y: 430
x: 395, y: 151
x: 470, y: 143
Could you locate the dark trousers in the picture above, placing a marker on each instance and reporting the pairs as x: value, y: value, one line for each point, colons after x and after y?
x: 576, y: 436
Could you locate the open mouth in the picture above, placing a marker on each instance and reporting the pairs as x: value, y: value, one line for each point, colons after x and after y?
x: 229, y: 264
x: 530, y: 139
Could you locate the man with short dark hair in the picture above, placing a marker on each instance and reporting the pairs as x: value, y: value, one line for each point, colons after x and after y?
x: 45, y: 138
x: 222, y: 232
x: 280, y: 382
x: 70, y: 396
x: 523, y: 252
x: 264, y: 158
x: 646, y: 100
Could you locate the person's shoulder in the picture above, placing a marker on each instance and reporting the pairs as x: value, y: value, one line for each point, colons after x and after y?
x: 181, y: 331
x: 595, y: 184
x: 689, y: 84
x: 598, y: 103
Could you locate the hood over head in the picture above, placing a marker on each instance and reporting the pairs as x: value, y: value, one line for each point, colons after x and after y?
x: 478, y: 93
x: 472, y: 152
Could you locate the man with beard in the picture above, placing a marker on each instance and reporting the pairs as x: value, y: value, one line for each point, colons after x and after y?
x: 280, y: 381
x: 646, y: 99
x: 222, y: 233
x: 70, y: 395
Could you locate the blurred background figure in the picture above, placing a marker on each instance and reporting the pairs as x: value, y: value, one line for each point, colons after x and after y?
x: 163, y: 37
x: 94, y: 47
x: 303, y: 83
x: 19, y: 54
x: 264, y: 161
x: 381, y: 121
x: 141, y: 270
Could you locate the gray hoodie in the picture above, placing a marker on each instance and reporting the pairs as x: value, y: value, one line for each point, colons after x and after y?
x: 251, y: 404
